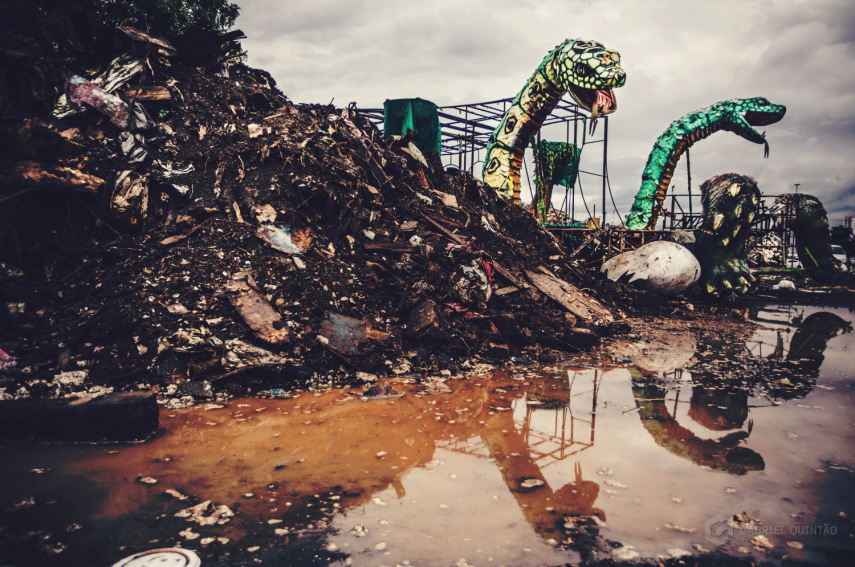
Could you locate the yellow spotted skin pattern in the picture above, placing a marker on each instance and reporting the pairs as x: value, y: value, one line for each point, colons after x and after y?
x: 586, y: 69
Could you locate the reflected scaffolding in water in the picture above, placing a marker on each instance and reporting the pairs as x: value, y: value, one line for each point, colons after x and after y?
x: 523, y: 467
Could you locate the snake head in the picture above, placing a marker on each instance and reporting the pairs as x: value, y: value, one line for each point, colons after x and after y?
x: 589, y: 72
x: 759, y: 111
x: 741, y: 115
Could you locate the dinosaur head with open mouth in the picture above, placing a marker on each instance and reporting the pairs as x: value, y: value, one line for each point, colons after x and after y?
x: 589, y: 72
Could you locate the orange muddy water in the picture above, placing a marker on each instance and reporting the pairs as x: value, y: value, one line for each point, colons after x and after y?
x: 551, y: 466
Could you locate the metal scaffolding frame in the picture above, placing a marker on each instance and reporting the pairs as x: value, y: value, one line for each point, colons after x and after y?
x: 466, y: 129
x: 772, y: 234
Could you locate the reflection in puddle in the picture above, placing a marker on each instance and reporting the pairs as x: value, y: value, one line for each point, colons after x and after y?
x: 521, y: 467
x: 717, y: 411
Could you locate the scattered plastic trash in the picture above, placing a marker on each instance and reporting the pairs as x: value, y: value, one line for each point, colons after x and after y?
x: 133, y: 147
x: 281, y: 238
x: 130, y: 196
x: 381, y: 392
x: 183, y: 190
x: 280, y: 393
x: 172, y: 170
x: 784, y: 284
x: 81, y: 91
x: 347, y: 335
x: 6, y: 361
x: 218, y: 515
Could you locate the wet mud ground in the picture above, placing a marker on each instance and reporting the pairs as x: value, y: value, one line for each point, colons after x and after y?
x: 670, y: 455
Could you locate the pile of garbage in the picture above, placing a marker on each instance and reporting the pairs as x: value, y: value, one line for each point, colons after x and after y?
x: 170, y: 228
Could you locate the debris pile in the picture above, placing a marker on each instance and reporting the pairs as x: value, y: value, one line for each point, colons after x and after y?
x: 172, y: 228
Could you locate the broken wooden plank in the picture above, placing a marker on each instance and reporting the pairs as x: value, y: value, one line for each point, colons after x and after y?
x: 505, y: 273
x: 402, y: 247
x: 455, y: 237
x: 147, y: 93
x: 570, y: 297
x: 31, y: 174
x: 162, y: 46
x: 350, y: 131
x: 596, y: 234
x: 257, y: 312
x: 506, y: 290
x: 35, y: 140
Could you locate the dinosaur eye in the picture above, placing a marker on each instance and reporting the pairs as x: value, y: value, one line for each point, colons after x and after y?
x: 582, y: 70
x: 762, y: 102
x: 580, y: 46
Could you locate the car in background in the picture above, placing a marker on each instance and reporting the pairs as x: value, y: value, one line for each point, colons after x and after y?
x: 793, y: 261
x: 839, y: 253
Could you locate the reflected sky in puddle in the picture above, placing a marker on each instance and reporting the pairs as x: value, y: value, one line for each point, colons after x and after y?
x: 523, y: 468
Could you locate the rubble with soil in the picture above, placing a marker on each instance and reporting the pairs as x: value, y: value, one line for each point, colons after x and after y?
x: 196, y: 233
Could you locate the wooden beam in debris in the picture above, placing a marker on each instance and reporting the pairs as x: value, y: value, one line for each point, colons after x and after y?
x: 147, y: 93
x: 402, y: 247
x: 455, y: 237
x: 162, y: 46
x: 26, y: 175
x: 569, y: 296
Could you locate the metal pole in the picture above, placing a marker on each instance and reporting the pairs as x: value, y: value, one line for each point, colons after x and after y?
x: 689, y: 172
x: 465, y: 134
x: 605, y: 160
x: 575, y: 143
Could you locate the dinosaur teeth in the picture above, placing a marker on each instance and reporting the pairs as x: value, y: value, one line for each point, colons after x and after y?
x: 594, y: 113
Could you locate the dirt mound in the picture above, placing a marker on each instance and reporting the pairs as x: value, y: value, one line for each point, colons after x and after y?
x: 206, y: 229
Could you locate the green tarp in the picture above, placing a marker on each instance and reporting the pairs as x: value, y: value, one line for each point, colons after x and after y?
x: 416, y: 114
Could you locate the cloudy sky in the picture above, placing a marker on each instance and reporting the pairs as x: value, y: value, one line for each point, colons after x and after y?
x: 679, y: 55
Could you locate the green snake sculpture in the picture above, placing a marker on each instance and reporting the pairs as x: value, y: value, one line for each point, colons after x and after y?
x: 586, y: 69
x: 738, y: 115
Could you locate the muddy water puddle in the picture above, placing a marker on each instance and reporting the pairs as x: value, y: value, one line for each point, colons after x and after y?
x: 743, y: 446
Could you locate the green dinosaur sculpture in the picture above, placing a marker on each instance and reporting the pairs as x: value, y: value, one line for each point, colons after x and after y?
x: 586, y: 69
x: 555, y: 162
x: 730, y: 203
x: 809, y: 223
x: 738, y: 115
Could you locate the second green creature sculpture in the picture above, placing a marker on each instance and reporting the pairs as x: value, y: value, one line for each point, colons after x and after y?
x: 738, y: 115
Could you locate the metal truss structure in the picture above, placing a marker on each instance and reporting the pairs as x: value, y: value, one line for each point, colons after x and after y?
x: 466, y: 129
